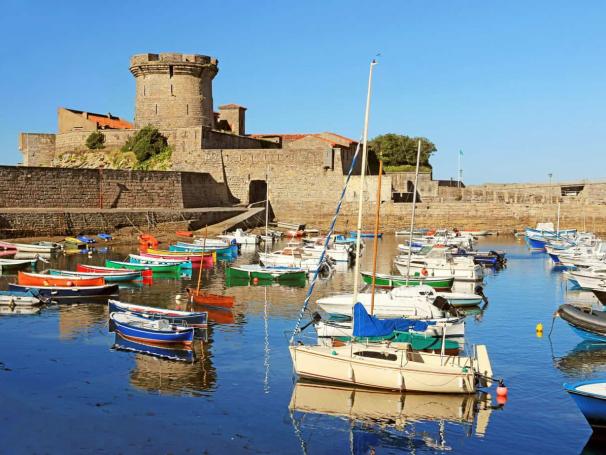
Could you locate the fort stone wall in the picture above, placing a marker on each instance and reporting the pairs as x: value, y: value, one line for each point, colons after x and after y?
x: 44, y: 187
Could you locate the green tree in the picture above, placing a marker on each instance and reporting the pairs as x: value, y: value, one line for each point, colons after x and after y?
x: 146, y: 144
x: 398, y: 150
x: 95, y: 140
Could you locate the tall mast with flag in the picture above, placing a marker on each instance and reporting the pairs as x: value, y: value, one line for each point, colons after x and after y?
x: 460, y: 169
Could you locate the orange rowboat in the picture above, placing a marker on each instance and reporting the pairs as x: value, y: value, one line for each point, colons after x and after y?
x: 42, y: 279
x: 201, y: 298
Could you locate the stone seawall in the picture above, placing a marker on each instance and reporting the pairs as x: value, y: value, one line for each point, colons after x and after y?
x: 39, y: 222
x: 42, y: 187
x: 498, y: 217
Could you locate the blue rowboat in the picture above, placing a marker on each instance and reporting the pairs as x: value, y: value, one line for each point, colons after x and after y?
x: 186, y: 318
x: 152, y: 331
x: 364, y: 234
x: 590, y: 397
x: 164, y: 352
x: 536, y: 242
x: 117, y: 277
x: 72, y: 294
x: 104, y: 236
x: 85, y: 239
x: 137, y: 259
x: 231, y: 250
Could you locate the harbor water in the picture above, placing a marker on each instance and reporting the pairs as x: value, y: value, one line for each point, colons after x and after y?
x: 65, y: 387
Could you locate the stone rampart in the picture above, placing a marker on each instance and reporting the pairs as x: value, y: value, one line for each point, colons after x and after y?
x: 43, y: 187
x: 38, y: 148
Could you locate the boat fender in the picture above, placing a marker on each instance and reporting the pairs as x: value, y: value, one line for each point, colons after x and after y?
x: 424, y: 271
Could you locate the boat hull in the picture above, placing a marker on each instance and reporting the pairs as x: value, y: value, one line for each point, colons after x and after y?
x: 439, y: 284
x: 592, y: 405
x: 156, y: 268
x: 281, y: 275
x: 33, y: 279
x: 137, y: 334
x: 193, y: 319
x: 336, y: 364
x: 71, y: 293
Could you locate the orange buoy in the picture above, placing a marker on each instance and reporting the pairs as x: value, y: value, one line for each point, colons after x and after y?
x: 501, y: 389
x: 424, y: 271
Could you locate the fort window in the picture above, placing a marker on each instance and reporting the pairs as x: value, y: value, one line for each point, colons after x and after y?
x: 170, y: 71
x: 156, y: 109
x: 144, y: 90
x: 187, y: 109
x: 171, y: 90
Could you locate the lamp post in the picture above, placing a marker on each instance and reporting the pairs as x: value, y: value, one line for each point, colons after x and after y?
x: 550, y: 195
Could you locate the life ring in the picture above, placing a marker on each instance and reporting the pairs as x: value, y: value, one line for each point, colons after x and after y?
x: 424, y: 271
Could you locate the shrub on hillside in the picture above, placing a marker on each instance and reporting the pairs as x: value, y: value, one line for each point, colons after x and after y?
x: 146, y: 144
x: 95, y: 140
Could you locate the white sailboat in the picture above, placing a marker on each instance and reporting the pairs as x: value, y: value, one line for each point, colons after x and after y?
x: 392, y: 366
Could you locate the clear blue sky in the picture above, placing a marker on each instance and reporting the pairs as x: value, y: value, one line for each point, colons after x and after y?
x: 520, y: 86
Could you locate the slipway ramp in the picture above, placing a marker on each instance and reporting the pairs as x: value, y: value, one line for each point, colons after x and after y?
x: 251, y: 218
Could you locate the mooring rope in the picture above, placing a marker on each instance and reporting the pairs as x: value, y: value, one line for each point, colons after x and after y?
x: 326, y: 241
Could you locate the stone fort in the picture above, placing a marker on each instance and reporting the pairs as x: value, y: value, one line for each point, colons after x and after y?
x: 305, y: 172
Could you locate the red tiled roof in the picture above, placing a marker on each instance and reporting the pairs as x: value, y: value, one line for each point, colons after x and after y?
x: 115, y: 123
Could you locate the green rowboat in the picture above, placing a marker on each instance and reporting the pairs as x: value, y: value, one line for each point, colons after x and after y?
x: 279, y: 274
x: 157, y: 268
x: 438, y: 283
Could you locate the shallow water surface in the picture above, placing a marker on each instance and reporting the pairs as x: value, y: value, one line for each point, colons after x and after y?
x: 64, y: 389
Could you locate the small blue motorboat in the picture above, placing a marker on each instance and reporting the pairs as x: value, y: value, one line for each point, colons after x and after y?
x: 151, y: 331
x: 163, y: 352
x: 104, y: 236
x: 590, y: 397
x: 85, y: 239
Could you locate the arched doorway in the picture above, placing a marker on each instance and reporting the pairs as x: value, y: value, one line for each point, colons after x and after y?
x: 257, y: 190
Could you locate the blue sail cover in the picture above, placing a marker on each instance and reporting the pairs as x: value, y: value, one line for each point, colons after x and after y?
x: 366, y: 325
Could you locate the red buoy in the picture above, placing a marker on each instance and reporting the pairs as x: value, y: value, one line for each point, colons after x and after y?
x: 255, y: 280
x: 502, y: 389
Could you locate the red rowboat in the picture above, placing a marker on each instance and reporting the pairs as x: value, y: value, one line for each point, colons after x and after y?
x: 201, y: 298
x: 185, y: 233
x: 110, y: 271
x: 41, y: 279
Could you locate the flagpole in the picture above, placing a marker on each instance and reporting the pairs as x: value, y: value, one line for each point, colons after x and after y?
x: 459, y: 181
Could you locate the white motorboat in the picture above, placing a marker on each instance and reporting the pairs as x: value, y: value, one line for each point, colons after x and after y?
x: 241, y: 237
x: 291, y: 257
x: 412, y: 302
x: 589, y: 278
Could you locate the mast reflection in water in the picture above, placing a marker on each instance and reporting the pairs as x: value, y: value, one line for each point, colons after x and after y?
x: 379, y: 419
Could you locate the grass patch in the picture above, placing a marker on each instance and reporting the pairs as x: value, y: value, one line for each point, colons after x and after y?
x: 406, y: 168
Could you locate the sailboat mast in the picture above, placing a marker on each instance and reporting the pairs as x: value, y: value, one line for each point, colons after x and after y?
x: 362, y: 176
x: 266, y: 208
x: 412, y: 218
x: 376, y: 241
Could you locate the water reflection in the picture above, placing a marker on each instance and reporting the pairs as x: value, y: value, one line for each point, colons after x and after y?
x: 587, y: 358
x: 384, y: 420
x: 595, y: 444
x: 187, y: 372
x: 74, y: 319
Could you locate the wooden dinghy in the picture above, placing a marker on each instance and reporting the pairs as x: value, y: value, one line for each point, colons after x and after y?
x: 42, y: 279
x: 153, y: 331
x: 188, y: 318
x: 74, y: 294
x: 120, y: 276
x: 158, y: 268
x: 15, y: 264
x: 199, y: 297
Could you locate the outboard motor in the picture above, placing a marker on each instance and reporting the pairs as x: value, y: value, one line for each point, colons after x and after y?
x: 479, y: 290
x: 444, y: 305
x: 315, y: 318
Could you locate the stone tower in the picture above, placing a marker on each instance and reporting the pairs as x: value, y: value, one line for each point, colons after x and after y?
x: 173, y: 90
